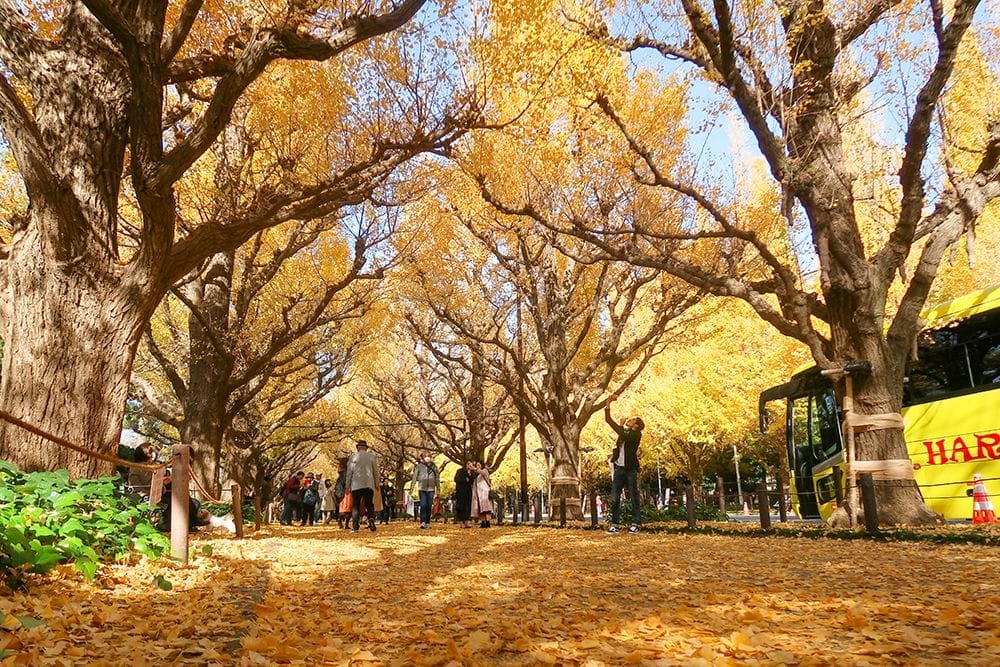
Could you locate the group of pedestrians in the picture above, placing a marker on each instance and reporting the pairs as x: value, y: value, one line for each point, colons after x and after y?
x: 361, y: 491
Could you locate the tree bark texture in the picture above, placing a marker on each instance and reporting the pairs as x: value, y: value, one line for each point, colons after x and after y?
x: 68, y: 352
x: 209, y: 370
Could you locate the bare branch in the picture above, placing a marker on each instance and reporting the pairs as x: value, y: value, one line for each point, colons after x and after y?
x: 175, y: 40
x: 105, y: 12
x: 896, y: 248
x: 868, y: 16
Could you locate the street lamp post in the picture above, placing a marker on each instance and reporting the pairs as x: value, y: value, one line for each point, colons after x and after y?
x: 584, y: 450
x: 739, y: 486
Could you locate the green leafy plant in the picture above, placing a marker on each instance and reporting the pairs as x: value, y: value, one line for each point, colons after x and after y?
x: 223, y: 509
x: 48, y: 519
x: 703, y: 512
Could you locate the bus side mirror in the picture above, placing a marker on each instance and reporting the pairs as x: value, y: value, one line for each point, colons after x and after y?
x: 765, y: 419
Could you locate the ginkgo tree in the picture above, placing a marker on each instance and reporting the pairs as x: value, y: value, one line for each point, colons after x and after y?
x: 556, y: 333
x: 444, y: 391
x: 800, y: 75
x: 700, y: 399
x: 106, y: 107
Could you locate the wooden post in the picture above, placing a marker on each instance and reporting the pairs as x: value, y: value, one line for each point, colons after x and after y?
x: 238, y: 510
x: 538, y: 509
x: 764, y: 506
x: 852, y: 482
x: 782, y: 510
x: 562, y: 512
x: 593, y: 508
x: 692, y: 515
x: 868, y: 499
x: 179, y: 503
x: 720, y: 491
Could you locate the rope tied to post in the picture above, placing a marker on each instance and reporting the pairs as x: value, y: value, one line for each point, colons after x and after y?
x: 31, y: 428
x: 208, y: 496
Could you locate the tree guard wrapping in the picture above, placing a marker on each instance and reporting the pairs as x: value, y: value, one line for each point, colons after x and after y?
x: 888, y: 469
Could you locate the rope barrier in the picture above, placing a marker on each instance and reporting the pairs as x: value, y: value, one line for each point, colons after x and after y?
x: 31, y: 428
x: 208, y: 496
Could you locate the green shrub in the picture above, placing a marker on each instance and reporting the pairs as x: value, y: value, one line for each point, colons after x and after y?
x: 222, y: 509
x: 649, y: 514
x: 46, y: 519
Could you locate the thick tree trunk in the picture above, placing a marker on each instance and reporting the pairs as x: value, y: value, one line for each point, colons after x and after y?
x: 856, y: 328
x: 209, y: 370
x: 68, y: 349
x: 564, y: 472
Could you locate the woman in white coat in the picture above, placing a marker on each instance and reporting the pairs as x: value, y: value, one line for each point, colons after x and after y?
x: 481, y: 503
x: 328, y: 507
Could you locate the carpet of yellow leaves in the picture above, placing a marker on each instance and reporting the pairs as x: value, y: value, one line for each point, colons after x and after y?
x: 519, y: 596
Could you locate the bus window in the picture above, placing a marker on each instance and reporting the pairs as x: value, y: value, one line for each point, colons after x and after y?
x: 981, y: 336
x: 990, y: 373
x: 799, y: 457
x: 824, y: 427
x: 941, y: 367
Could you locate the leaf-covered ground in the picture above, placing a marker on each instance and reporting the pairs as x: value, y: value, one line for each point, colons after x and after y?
x: 519, y: 596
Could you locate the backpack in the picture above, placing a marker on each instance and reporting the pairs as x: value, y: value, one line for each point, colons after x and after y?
x: 310, y: 496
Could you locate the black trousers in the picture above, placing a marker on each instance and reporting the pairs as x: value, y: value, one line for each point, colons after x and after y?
x: 358, y: 495
x: 622, y: 477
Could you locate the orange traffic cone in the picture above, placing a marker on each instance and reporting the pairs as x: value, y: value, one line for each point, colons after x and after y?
x: 982, y: 507
x: 746, y: 508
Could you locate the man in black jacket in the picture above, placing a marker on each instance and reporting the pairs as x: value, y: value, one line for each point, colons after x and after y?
x: 625, y: 466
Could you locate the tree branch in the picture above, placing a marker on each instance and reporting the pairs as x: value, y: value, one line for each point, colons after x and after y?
x: 865, y: 18
x: 175, y: 40
x: 894, y: 252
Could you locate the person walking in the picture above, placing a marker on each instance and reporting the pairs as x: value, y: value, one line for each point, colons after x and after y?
x: 342, y: 494
x: 427, y: 482
x: 328, y: 506
x: 384, y: 487
x: 291, y: 494
x: 482, y: 506
x: 310, y: 498
x: 463, y: 494
x: 624, y: 462
x: 362, y: 480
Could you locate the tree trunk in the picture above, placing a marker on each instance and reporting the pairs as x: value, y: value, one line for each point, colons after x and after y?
x: 856, y: 329
x: 68, y: 350
x: 209, y: 370
x: 564, y: 473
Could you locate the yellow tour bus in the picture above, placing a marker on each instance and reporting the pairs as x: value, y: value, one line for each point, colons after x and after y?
x: 951, y: 412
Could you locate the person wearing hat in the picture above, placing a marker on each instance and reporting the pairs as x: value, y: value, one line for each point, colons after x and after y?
x: 362, y: 480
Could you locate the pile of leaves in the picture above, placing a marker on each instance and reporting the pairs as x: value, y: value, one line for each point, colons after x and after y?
x: 517, y: 596
x: 48, y: 519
